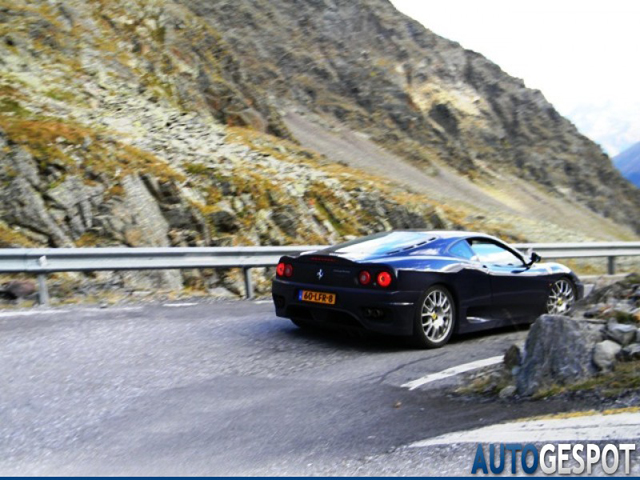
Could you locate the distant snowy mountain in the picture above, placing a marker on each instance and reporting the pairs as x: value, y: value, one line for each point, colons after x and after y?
x: 628, y: 162
x: 615, y: 127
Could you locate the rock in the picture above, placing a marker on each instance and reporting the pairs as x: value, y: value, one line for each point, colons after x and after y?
x: 507, y: 392
x: 179, y: 217
x: 604, y: 354
x: 399, y: 217
x: 224, y: 221
x: 631, y: 352
x: 23, y: 205
x: 249, y: 117
x: 512, y: 357
x: 76, y: 199
x: 152, y: 280
x: 143, y: 215
x: 145, y: 226
x: 622, y: 333
x: 558, y: 350
x: 287, y: 220
x: 267, y: 230
x: 17, y: 289
x: 638, y: 335
x: 221, y: 292
x: 594, y: 311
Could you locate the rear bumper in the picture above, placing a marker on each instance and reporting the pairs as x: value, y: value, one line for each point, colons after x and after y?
x: 379, y: 311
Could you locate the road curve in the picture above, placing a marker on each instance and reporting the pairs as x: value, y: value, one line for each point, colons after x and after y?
x: 222, y: 388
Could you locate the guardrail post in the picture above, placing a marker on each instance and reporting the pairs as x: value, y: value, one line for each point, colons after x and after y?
x: 611, y: 265
x: 43, y: 293
x: 248, y: 285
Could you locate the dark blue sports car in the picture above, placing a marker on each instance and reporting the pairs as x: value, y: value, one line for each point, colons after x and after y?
x: 426, y: 284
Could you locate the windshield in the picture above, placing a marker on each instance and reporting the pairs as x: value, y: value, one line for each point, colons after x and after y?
x: 383, y: 243
x: 490, y: 253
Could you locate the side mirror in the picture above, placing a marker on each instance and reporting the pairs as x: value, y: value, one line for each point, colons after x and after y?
x: 533, y: 257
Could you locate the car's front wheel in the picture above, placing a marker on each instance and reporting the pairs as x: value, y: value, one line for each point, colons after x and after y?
x: 435, y: 318
x: 561, y: 297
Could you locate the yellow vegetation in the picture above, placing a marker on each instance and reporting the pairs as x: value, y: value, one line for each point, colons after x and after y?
x: 10, y: 238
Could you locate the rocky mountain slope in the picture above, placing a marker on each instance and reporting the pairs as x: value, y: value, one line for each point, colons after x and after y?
x: 416, y: 94
x: 628, y: 162
x: 179, y: 122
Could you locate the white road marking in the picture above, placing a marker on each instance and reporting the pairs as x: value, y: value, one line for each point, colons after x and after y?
x: 110, y: 309
x: 35, y: 311
x: 260, y: 302
x: 31, y: 312
x: 179, y: 304
x: 620, y: 426
x: 450, y: 372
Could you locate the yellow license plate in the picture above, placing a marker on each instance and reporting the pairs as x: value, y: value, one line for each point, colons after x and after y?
x: 317, y: 297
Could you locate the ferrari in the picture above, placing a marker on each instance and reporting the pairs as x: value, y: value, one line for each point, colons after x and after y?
x: 428, y: 285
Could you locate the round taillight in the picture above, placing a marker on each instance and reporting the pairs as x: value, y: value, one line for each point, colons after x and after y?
x: 384, y: 279
x: 280, y: 269
x: 288, y: 270
x: 364, y: 277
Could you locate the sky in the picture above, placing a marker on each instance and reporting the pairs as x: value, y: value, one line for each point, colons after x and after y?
x: 583, y: 55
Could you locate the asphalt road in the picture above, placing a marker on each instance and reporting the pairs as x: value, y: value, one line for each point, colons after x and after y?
x: 226, y: 388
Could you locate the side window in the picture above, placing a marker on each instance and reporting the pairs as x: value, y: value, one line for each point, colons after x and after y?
x: 462, y: 250
x: 493, y: 254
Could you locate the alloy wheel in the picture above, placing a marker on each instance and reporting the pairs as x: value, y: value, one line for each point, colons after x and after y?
x: 437, y: 316
x: 561, y: 298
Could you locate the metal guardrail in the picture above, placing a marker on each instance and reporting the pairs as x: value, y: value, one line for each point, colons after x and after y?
x: 610, y: 250
x: 43, y: 261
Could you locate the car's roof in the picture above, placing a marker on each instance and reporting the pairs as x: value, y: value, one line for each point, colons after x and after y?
x: 383, y: 244
x: 448, y: 234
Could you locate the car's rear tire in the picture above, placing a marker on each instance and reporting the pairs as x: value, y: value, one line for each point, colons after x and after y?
x: 435, y: 318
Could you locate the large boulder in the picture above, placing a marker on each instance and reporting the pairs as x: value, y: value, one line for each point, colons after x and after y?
x: 558, y: 351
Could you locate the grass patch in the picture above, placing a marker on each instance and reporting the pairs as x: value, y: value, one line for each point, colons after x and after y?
x: 624, y: 377
x: 196, y: 168
x: 11, y: 106
x: 490, y: 383
x: 61, y: 95
x: 43, y: 137
x: 81, y: 150
x: 88, y: 239
x: 10, y: 238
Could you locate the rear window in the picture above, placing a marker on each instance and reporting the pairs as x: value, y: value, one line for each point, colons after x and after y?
x: 383, y: 243
x: 462, y: 250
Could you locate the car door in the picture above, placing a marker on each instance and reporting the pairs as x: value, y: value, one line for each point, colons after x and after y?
x: 474, y: 287
x: 517, y: 291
